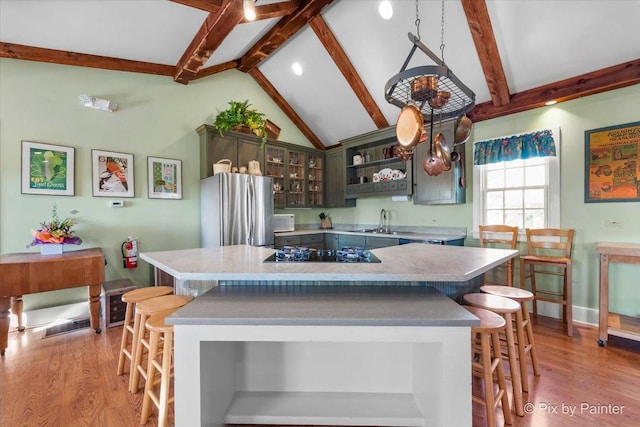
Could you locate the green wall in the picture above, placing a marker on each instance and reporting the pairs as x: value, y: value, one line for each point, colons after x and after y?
x: 157, y: 117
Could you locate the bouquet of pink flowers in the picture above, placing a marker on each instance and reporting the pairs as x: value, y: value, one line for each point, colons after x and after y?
x: 56, y: 231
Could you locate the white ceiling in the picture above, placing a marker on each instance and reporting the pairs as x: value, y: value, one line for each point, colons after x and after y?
x: 540, y: 42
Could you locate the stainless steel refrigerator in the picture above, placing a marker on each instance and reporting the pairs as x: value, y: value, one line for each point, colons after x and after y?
x: 236, y: 209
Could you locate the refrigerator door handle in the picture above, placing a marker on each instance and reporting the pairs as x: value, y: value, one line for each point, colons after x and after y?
x: 251, y: 210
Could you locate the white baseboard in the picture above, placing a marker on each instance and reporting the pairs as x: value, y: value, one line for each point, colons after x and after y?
x: 588, y: 316
x: 46, y: 316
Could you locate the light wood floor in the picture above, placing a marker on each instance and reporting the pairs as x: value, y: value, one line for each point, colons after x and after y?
x: 70, y: 381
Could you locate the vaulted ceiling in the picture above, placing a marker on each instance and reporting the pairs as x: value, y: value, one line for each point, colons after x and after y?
x: 514, y: 55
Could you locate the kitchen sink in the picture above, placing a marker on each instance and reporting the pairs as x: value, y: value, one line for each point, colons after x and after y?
x: 375, y: 231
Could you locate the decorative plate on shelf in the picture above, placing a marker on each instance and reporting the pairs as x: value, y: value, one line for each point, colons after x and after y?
x: 385, y: 174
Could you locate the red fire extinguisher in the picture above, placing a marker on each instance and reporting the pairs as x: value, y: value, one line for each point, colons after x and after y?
x: 129, y: 250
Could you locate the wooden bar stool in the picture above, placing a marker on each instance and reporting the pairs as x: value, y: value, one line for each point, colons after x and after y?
x: 507, y: 308
x: 549, y: 253
x: 525, y: 343
x: 132, y: 298
x: 490, y: 362
x: 159, y: 367
x: 144, y: 310
x: 501, y: 237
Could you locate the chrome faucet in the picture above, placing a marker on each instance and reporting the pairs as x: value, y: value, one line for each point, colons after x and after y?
x: 383, y: 227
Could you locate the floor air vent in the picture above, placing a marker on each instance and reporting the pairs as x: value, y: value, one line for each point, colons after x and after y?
x: 67, y: 327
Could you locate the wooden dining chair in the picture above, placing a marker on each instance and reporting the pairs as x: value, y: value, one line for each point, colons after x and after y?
x: 549, y: 253
x: 502, y: 237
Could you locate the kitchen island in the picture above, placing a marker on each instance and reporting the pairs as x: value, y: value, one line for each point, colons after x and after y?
x: 283, y: 352
x: 453, y: 270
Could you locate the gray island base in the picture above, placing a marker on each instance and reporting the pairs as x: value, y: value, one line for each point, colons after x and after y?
x: 286, y: 353
x: 323, y: 355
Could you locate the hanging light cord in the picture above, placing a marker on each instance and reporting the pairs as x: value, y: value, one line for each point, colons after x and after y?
x: 418, y: 22
x: 442, y: 34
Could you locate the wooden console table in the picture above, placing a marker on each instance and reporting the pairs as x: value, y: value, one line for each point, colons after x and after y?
x: 28, y: 273
x: 611, y: 323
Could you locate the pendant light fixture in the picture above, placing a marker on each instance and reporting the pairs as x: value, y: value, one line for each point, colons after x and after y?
x: 249, y: 7
x: 430, y: 87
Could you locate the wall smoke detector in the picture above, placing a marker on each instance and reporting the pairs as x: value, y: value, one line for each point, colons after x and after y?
x: 98, y: 103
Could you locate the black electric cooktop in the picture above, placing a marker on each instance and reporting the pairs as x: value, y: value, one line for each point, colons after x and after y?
x: 306, y: 254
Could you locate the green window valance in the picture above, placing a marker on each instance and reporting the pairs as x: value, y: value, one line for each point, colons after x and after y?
x: 504, y: 149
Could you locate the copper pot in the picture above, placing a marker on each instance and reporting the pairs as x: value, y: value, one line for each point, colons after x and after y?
x: 442, y: 150
x: 440, y: 100
x: 409, y: 127
x: 403, y: 153
x: 424, y: 88
x: 433, y: 165
x: 463, y: 130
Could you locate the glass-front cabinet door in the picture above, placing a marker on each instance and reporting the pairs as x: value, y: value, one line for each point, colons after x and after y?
x: 315, y: 184
x: 297, y: 180
x: 276, y: 158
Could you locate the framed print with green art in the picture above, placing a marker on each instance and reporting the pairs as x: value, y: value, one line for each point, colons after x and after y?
x: 165, y: 178
x: 48, y: 169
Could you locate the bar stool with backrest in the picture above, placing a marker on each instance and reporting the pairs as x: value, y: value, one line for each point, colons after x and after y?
x: 549, y: 248
x: 131, y: 298
x: 525, y: 341
x: 489, y: 363
x: 144, y: 310
x: 159, y: 367
x: 507, y: 308
x: 502, y: 237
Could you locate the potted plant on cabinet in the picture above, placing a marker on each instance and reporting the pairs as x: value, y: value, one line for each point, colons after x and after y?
x: 239, y: 116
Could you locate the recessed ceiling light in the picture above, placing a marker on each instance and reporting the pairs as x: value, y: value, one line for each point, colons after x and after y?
x: 385, y: 10
x: 296, y: 68
x: 553, y: 101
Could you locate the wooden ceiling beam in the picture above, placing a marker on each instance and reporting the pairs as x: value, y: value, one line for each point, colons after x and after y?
x: 215, y: 69
x: 487, y: 48
x: 337, y: 53
x: 273, y: 93
x: 282, y: 31
x: 610, y: 78
x: 206, y: 5
x: 53, y: 56
x: 267, y: 11
x: 209, y: 37
x: 275, y: 10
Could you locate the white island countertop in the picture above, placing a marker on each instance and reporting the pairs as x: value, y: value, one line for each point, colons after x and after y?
x: 405, y: 263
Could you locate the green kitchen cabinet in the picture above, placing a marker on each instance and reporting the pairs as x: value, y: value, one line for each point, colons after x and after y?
x: 238, y: 147
x: 336, y: 183
x: 369, y: 157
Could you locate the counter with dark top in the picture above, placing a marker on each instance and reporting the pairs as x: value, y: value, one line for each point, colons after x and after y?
x: 442, y: 234
x: 323, y: 305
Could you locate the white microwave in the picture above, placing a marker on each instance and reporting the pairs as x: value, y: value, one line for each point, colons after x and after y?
x: 284, y: 222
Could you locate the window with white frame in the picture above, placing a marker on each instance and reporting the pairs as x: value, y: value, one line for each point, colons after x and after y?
x: 523, y: 193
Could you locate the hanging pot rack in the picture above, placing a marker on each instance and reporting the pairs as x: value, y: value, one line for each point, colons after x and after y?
x: 401, y: 91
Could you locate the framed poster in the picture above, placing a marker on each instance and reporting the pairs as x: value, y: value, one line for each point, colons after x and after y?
x: 48, y: 169
x: 165, y: 178
x: 112, y: 174
x: 612, y: 162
